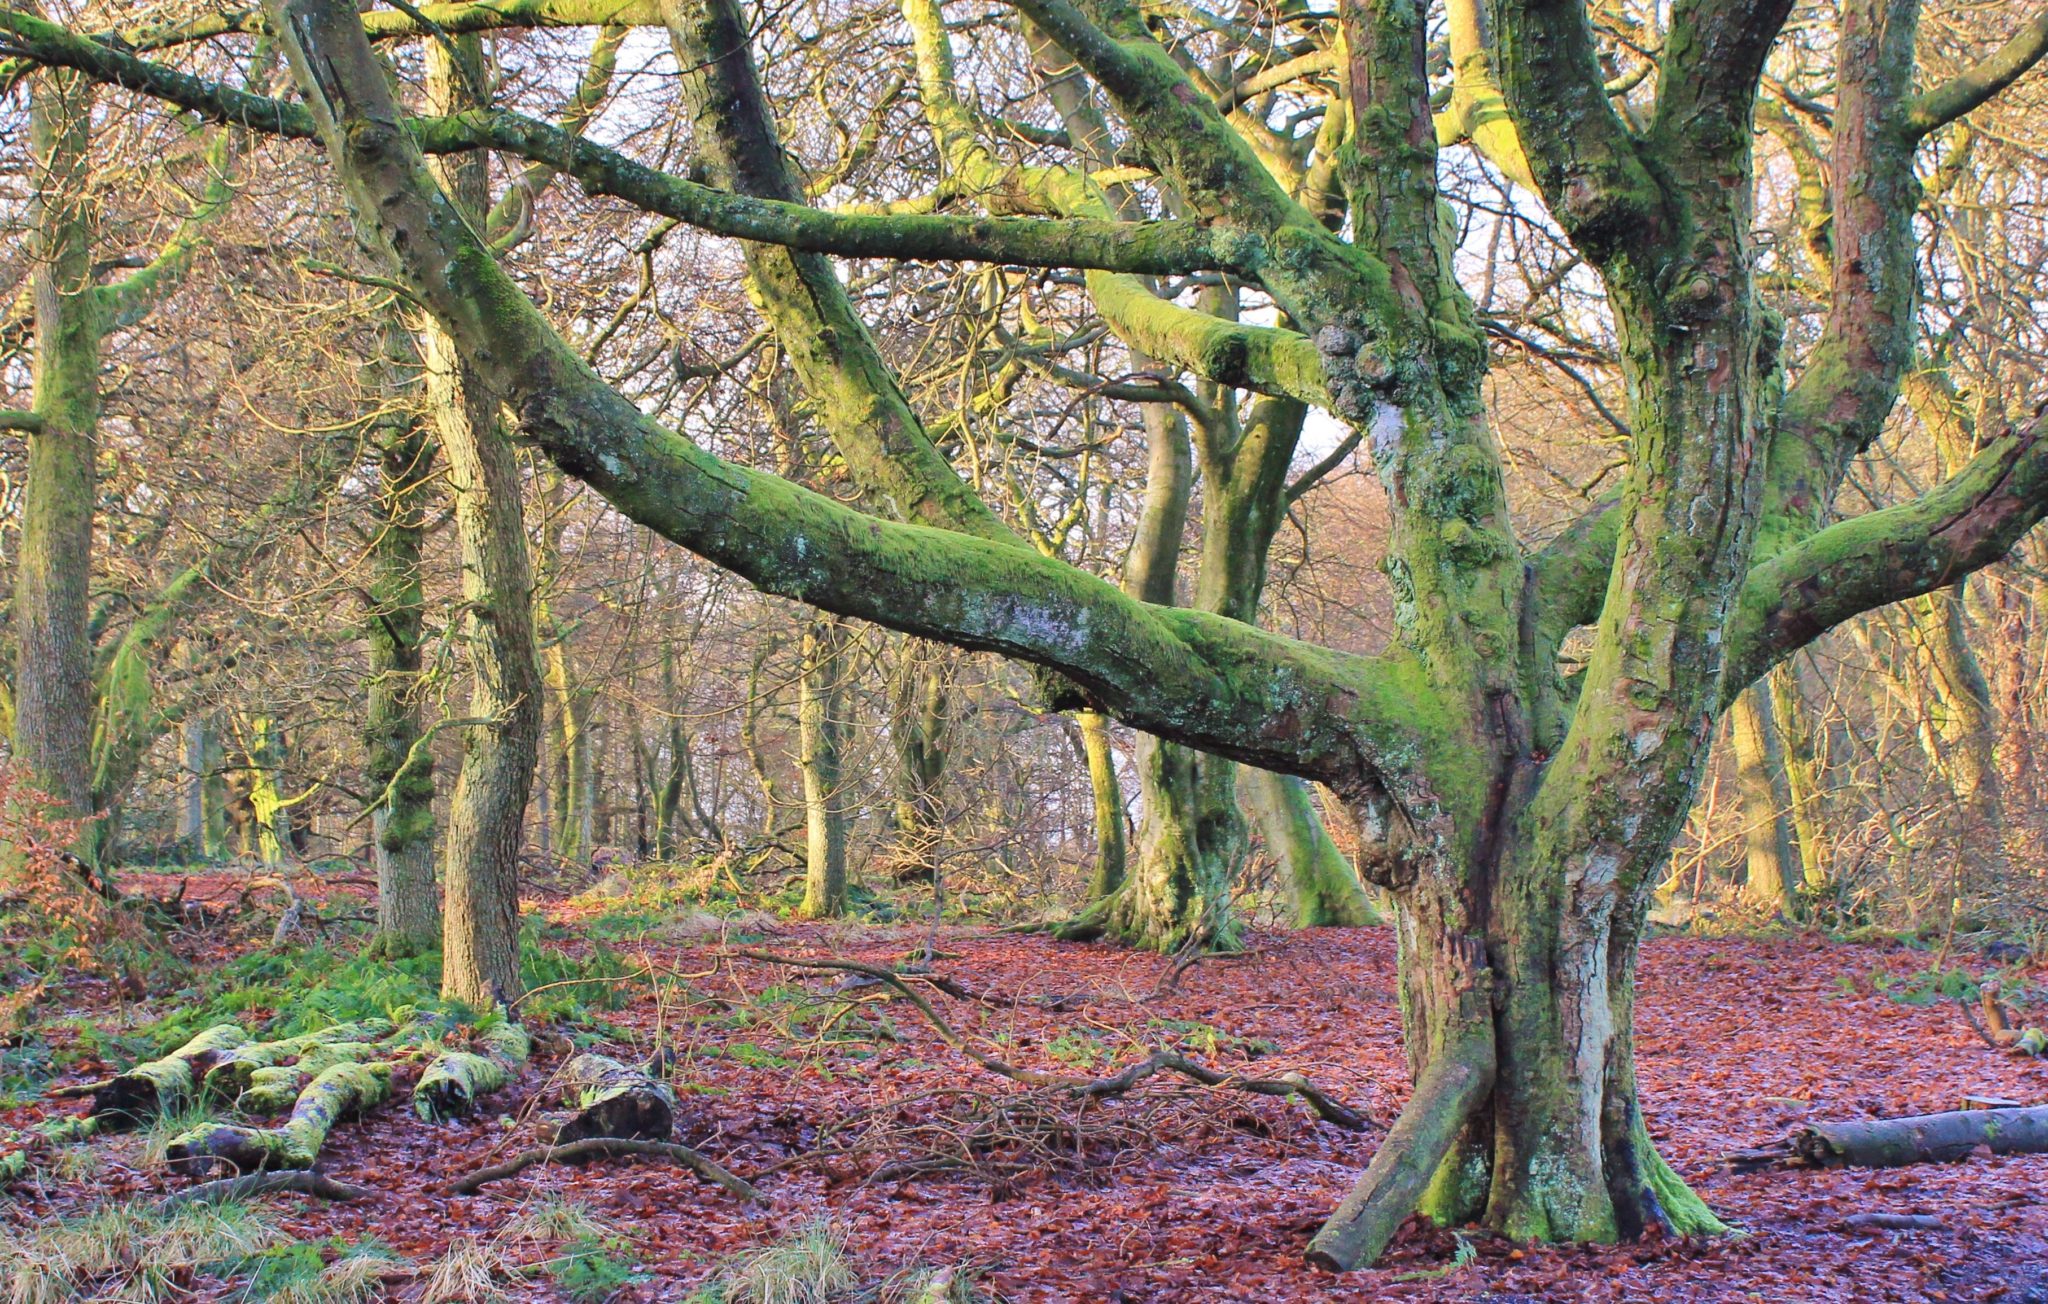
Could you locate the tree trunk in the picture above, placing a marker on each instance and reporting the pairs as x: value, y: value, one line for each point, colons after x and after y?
x: 400, y: 765
x: 1759, y: 778
x: 197, y: 733
x: 1321, y: 884
x: 486, y: 819
x: 918, y: 726
x: 1177, y: 889
x: 1804, y: 778
x: 1108, y: 872
x: 821, y: 727
x: 53, y: 649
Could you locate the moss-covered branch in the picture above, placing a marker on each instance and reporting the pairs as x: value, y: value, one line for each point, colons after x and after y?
x: 1968, y: 89
x: 1152, y: 248
x: 1207, y: 681
x: 1963, y: 524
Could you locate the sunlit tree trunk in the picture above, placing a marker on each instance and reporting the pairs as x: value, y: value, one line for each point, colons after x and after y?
x: 1106, y: 792
x: 486, y: 818
x: 821, y: 735
x: 53, y: 699
x: 1759, y: 779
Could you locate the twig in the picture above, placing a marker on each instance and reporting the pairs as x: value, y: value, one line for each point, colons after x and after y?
x: 1329, y: 1110
x: 301, y: 1181
x: 604, y: 1147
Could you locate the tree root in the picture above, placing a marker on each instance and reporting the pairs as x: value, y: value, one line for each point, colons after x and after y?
x: 1161, y: 1060
x: 1453, y: 1085
x: 299, y: 1181
x: 1895, y: 1142
x: 607, y: 1148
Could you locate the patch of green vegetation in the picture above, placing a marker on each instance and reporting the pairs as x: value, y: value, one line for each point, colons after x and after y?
x: 1211, y: 1040
x: 593, y: 1269
x: 1931, y: 986
x: 292, y: 990
x: 131, y: 1252
x: 751, y: 1055
x: 329, y: 1271
x: 1084, y: 1049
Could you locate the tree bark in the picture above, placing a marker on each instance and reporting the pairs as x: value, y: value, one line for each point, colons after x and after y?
x: 400, y: 764
x: 1759, y: 777
x: 821, y: 731
x: 1321, y: 884
x: 1107, y: 874
x: 486, y: 818
x: 53, y: 700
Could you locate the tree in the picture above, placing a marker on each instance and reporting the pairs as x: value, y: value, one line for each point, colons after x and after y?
x: 1518, y: 819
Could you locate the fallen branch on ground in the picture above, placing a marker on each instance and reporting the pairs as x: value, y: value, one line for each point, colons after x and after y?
x: 609, y: 1148
x: 299, y: 1181
x: 1161, y: 1060
x: 1996, y: 1029
x: 1891, y: 1222
x: 1895, y: 1142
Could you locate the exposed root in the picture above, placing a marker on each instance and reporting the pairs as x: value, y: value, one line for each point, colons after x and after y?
x: 164, y: 1085
x: 1453, y: 1085
x: 610, y: 1148
x: 344, y: 1091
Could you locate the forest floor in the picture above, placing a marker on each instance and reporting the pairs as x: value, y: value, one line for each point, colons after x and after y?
x: 1173, y: 1192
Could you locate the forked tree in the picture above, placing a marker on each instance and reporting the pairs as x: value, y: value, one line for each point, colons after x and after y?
x: 1517, y: 818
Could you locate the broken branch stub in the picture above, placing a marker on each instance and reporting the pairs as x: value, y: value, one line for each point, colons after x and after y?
x: 456, y: 1080
x: 614, y: 1100
x: 161, y: 1086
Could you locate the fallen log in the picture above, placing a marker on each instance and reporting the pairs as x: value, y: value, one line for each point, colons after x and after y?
x: 344, y: 1091
x: 1891, y: 1222
x: 161, y: 1086
x: 298, y: 1181
x: 456, y: 1080
x: 613, y: 1100
x: 608, y: 1148
x: 1896, y: 1142
x: 233, y: 1072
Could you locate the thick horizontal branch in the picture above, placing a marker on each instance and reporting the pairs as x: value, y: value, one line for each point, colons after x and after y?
x: 1205, y: 681
x: 1962, y: 525
x: 1165, y: 248
x: 1973, y: 86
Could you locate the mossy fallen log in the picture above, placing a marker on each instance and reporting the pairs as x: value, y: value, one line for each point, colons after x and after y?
x: 161, y: 1086
x: 1922, y: 1138
x: 343, y: 1091
x: 15, y: 1167
x: 612, y: 1099
x: 232, y: 1073
x: 456, y: 1080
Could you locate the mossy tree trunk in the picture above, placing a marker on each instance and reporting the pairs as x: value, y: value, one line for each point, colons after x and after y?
x: 821, y: 740
x: 1760, y: 781
x: 400, y: 766
x: 487, y: 816
x: 1321, y: 884
x: 919, y: 725
x: 1519, y: 826
x: 1107, y: 794
x: 53, y: 697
